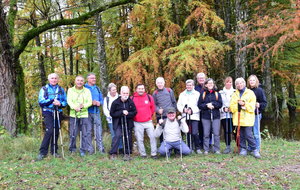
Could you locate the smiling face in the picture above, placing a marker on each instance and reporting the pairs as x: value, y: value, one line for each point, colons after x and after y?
x: 53, y: 79
x: 171, y: 116
x: 124, y: 93
x: 201, y: 80
x: 189, y: 86
x: 240, y: 84
x: 91, y: 80
x: 210, y: 85
x: 252, y: 82
x: 79, y: 82
x: 113, y: 91
x: 160, y: 83
x: 140, y: 89
x: 228, y: 84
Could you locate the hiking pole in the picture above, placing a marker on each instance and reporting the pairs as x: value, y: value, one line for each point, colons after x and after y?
x: 238, y: 129
x: 187, y: 142
x: 80, y: 128
x: 212, y: 130
x: 258, y: 125
x: 123, y: 135
x: 227, y: 132
x: 165, y: 144
x: 54, y: 132
x: 126, y: 131
x: 60, y: 134
x: 94, y: 125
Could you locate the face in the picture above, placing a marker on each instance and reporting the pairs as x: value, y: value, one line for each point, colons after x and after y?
x: 240, y: 85
x: 210, y: 85
x: 201, y: 80
x: 124, y: 94
x: 252, y: 81
x: 53, y: 80
x: 113, y: 91
x: 160, y: 84
x: 228, y: 84
x: 140, y: 90
x: 91, y: 80
x: 171, y: 116
x: 189, y: 86
x: 79, y: 81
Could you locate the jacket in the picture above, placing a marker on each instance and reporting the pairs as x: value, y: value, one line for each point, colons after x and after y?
x: 116, y: 111
x: 260, y: 98
x: 164, y: 99
x: 171, y: 130
x: 47, y: 95
x: 145, y: 107
x: 226, y: 97
x: 191, y: 100
x: 96, y: 95
x: 108, y: 100
x: 210, y: 97
x: 77, y: 97
x: 247, y: 116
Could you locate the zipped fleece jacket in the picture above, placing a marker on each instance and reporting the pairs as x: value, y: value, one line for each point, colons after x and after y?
x: 247, y: 116
x: 191, y: 100
x: 96, y: 95
x: 75, y: 98
x: 145, y: 107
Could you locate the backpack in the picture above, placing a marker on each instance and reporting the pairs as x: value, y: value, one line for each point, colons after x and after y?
x: 46, y: 94
x: 165, y: 121
x: 132, y: 97
x: 168, y: 89
x: 216, y: 94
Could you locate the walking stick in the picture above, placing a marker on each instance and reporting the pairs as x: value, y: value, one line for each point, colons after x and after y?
x: 190, y: 132
x: 126, y: 130
x: 258, y: 125
x: 123, y: 135
x: 95, y: 137
x: 227, y: 132
x: 211, y: 124
x: 54, y: 132
x: 165, y: 144
x: 60, y: 134
x: 239, y: 127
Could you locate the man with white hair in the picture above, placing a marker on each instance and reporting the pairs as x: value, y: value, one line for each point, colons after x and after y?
x: 52, y: 98
x: 201, y: 77
x: 122, y: 112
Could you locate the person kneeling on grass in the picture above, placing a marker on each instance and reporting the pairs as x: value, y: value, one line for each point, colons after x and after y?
x: 171, y: 129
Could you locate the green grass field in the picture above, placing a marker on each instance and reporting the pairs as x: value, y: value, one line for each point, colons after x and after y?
x: 279, y: 168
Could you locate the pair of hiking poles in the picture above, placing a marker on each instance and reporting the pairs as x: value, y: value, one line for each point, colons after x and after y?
x: 56, y: 114
x: 124, y: 122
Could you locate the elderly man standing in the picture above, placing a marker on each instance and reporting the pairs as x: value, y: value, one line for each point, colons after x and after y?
x: 94, y: 110
x: 145, y: 107
x: 79, y: 100
x: 242, y: 106
x: 52, y: 98
x: 122, y: 112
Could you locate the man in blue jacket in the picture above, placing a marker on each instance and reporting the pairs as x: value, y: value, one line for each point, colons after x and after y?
x: 52, y: 98
x: 94, y: 110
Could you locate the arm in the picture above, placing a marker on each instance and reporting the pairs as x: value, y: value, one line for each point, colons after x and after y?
x: 70, y: 99
x: 115, y: 111
x: 42, y: 101
x: 132, y: 109
x: 262, y: 100
x: 234, y: 102
x: 105, y: 110
x: 183, y: 126
x: 88, y: 99
x: 152, y: 105
x: 100, y: 98
x: 155, y: 102
x: 158, y: 131
x: 218, y: 103
x: 63, y: 99
x: 173, y: 99
x: 180, y: 104
x: 250, y: 102
x: 201, y: 103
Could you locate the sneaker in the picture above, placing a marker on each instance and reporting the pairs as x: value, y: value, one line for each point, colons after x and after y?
x: 205, y: 153
x: 243, y: 152
x: 198, y: 151
x: 40, y: 157
x: 126, y: 157
x: 227, y: 150
x: 256, y: 154
x: 154, y: 157
x: 82, y: 154
x: 113, y: 157
x: 217, y: 152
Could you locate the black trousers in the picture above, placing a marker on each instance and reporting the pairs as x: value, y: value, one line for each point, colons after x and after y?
x: 118, y: 136
x: 49, y: 133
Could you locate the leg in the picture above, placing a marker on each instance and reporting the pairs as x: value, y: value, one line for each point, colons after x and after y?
x: 112, y: 133
x: 73, y: 131
x: 139, y: 134
x: 216, y: 132
x: 256, y: 131
x: 243, y: 138
x: 249, y: 137
x: 164, y: 147
x: 48, y: 121
x: 206, y: 133
x: 200, y: 127
x: 185, y: 149
x: 98, y: 130
x: 150, y: 133
x: 116, y: 140
x: 87, y: 135
x: 195, y: 134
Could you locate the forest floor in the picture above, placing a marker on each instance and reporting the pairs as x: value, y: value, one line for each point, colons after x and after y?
x: 279, y: 168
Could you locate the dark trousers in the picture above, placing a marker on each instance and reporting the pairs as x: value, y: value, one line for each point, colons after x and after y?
x: 194, y: 132
x: 118, y: 137
x: 227, y: 126
x: 49, y: 133
x: 246, y: 134
x: 200, y: 128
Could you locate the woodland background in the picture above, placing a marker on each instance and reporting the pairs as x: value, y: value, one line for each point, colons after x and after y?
x: 130, y: 42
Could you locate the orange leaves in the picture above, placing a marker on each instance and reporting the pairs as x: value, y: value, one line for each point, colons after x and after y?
x: 70, y: 41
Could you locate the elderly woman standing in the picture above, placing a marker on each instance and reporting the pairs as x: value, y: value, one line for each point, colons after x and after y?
x: 242, y: 106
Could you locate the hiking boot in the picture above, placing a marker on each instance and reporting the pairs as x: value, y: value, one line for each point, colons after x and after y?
x: 126, y: 157
x: 154, y: 157
x: 256, y: 154
x: 40, y: 157
x: 144, y: 156
x: 217, y: 152
x: 243, y: 152
x: 57, y: 155
x: 198, y: 151
x: 113, y: 157
x: 205, y: 153
x: 227, y: 150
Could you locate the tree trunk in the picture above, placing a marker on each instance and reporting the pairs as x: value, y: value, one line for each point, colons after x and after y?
x: 102, y: 63
x: 267, y: 82
x: 71, y: 56
x: 41, y: 62
x: 124, y: 45
x: 77, y: 62
x: 63, y: 51
x: 240, y: 41
x: 292, y: 101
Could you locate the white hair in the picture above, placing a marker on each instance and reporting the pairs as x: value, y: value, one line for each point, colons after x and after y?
x: 52, y: 75
x: 239, y: 80
x: 124, y: 88
x: 201, y: 75
x: 160, y: 79
x: 90, y: 74
x: 190, y: 81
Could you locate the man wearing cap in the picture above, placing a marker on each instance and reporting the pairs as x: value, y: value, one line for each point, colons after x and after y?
x: 171, y: 129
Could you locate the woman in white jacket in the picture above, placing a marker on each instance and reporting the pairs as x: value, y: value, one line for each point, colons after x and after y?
x: 226, y: 116
x: 112, y: 94
x: 188, y: 105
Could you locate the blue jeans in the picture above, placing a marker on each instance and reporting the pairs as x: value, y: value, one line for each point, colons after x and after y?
x: 112, y: 133
x: 256, y: 131
x: 167, y: 146
x: 97, y: 130
x: 246, y: 134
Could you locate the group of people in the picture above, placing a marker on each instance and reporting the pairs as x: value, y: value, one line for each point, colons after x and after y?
x: 203, y: 110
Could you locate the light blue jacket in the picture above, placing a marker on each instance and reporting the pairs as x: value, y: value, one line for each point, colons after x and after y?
x: 96, y: 95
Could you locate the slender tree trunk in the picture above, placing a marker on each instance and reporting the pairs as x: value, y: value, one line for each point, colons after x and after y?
x: 63, y: 51
x: 292, y: 101
x: 240, y: 42
x: 267, y: 82
x: 124, y: 45
x: 41, y: 62
x: 102, y: 63
x: 77, y: 62
x: 71, y: 56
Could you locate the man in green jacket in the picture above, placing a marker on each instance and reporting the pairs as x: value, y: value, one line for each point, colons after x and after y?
x: 79, y: 99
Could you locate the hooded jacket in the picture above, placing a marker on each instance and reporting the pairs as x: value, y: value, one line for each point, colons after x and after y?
x: 145, y: 107
x: 190, y: 99
x: 108, y: 100
x: 210, y: 97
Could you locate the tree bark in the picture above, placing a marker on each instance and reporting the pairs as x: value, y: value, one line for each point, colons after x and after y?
x: 41, y: 62
x: 102, y: 63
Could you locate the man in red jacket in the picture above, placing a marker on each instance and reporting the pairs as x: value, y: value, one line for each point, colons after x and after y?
x: 145, y: 107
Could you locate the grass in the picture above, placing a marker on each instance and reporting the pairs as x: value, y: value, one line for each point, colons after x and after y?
x: 279, y: 168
